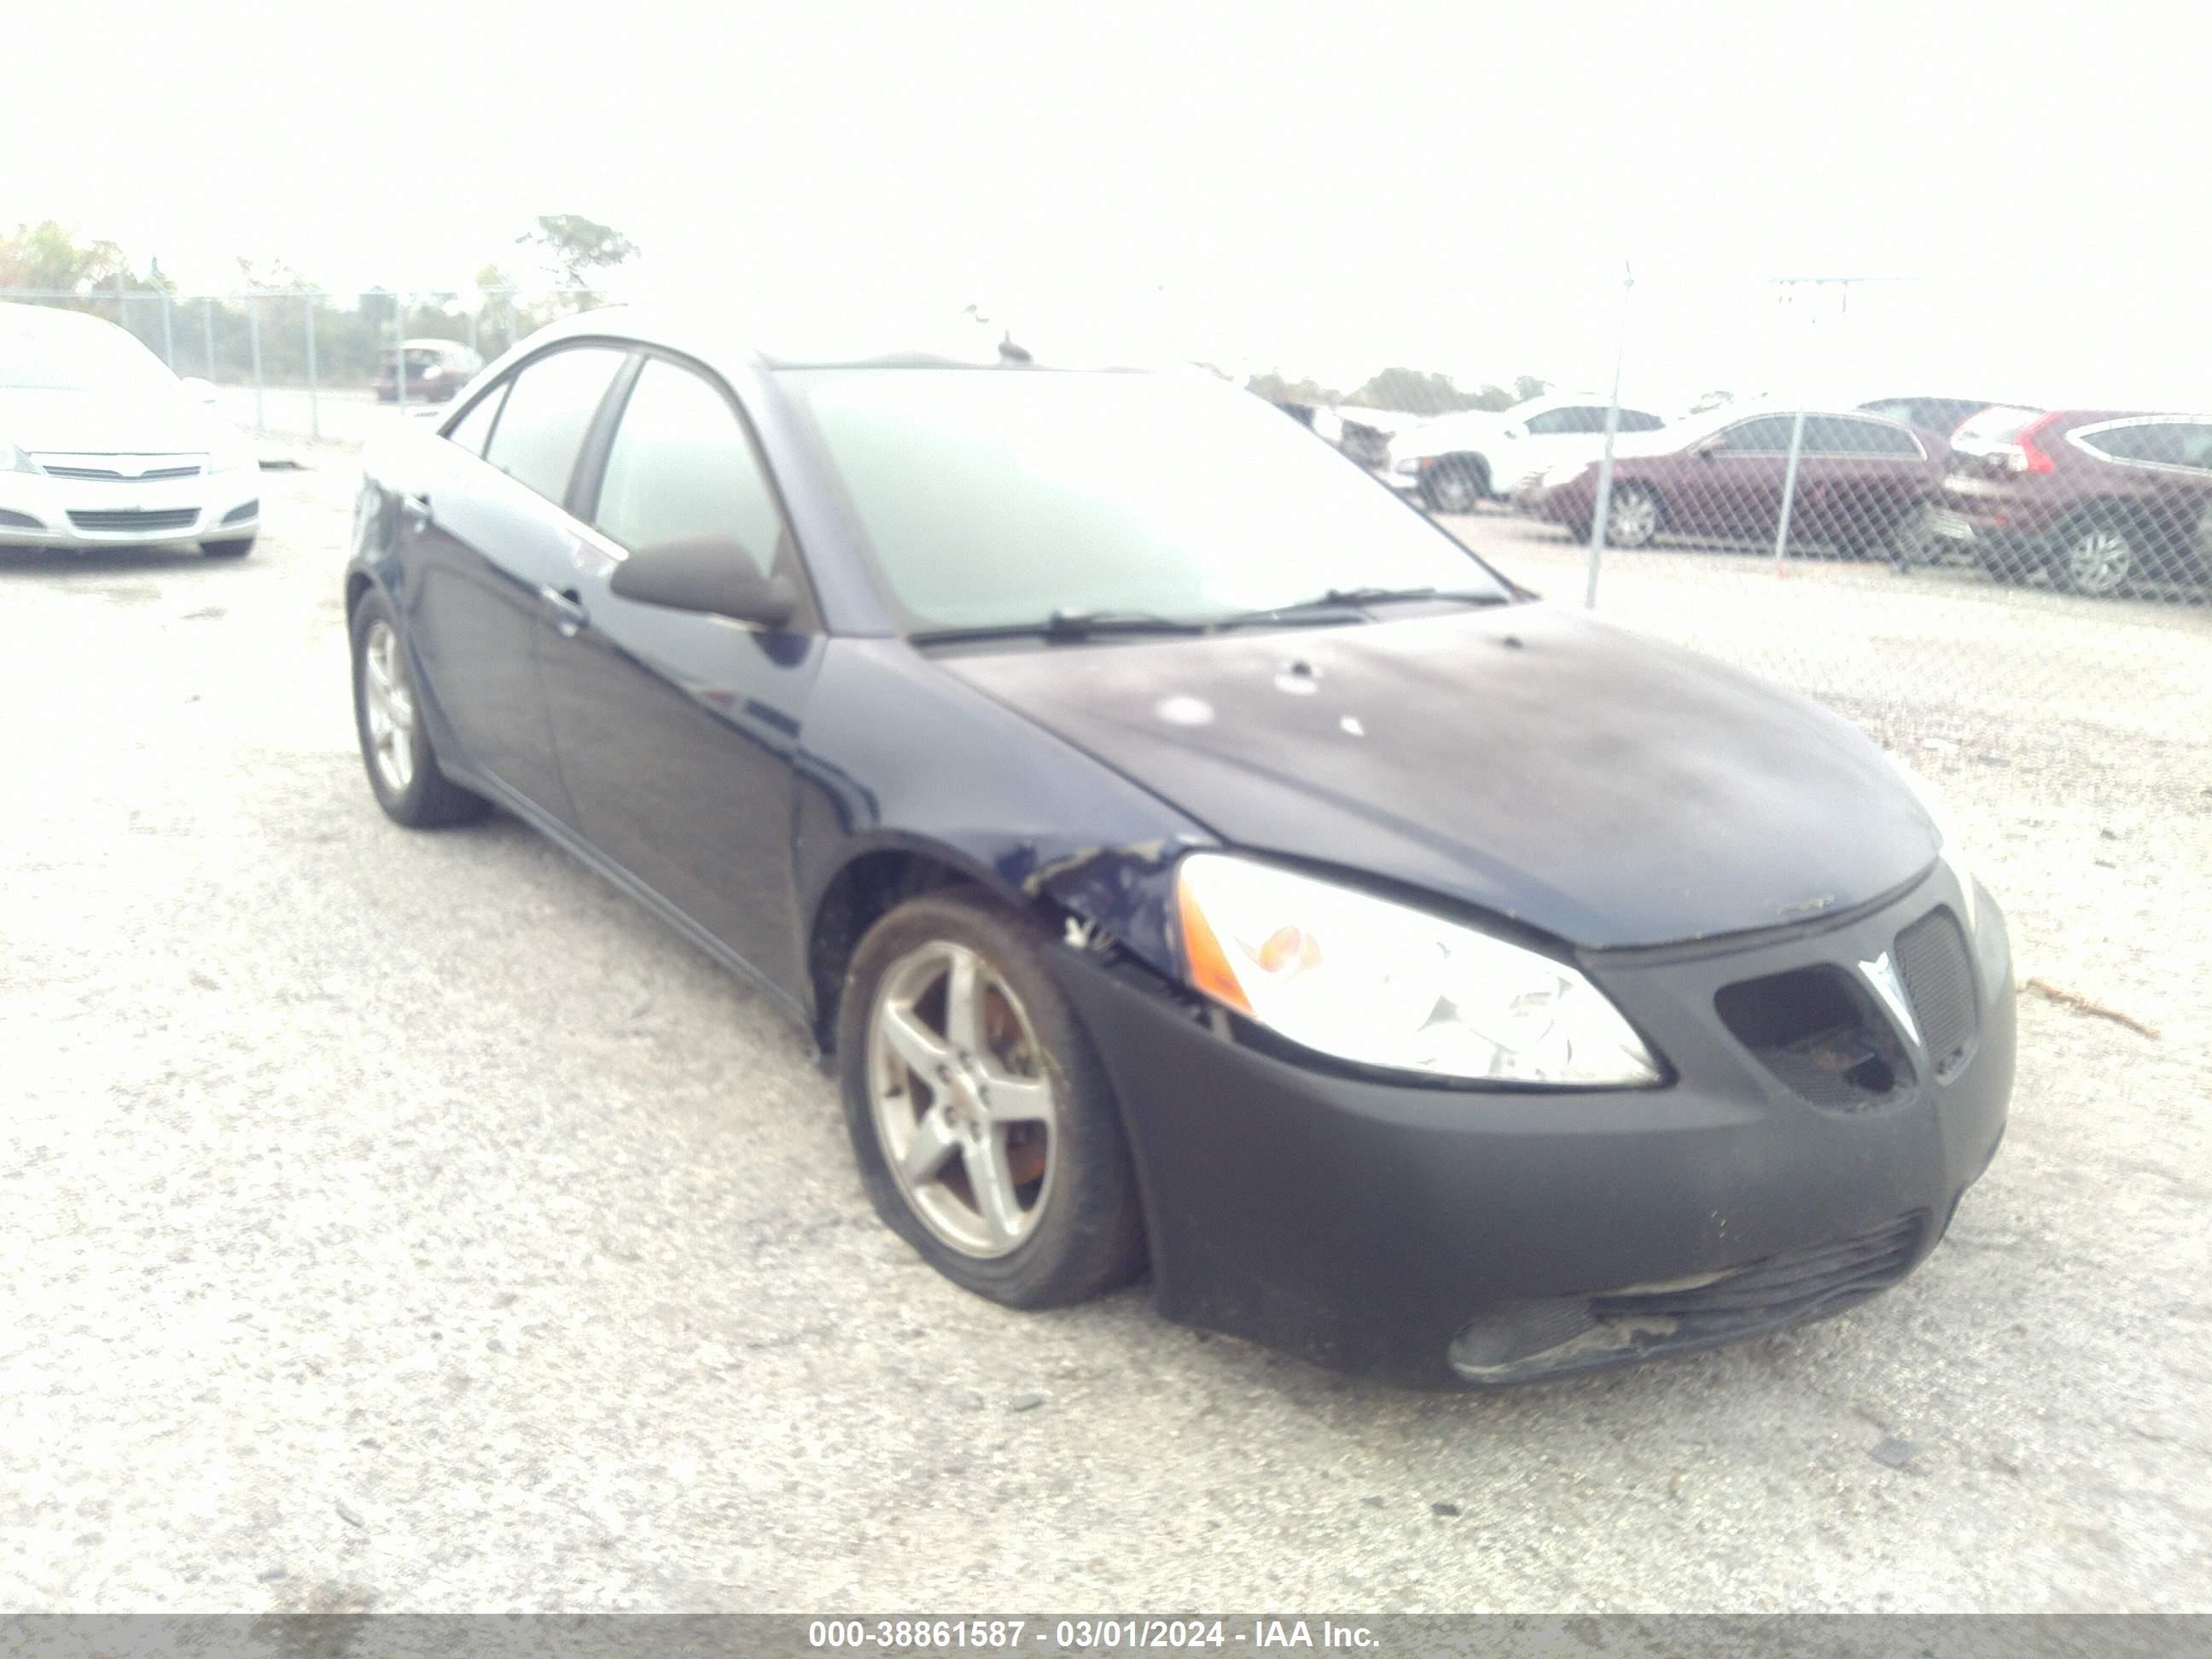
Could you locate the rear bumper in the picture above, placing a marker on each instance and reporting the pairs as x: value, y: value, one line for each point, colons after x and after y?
x: 1370, y: 1226
x: 38, y: 510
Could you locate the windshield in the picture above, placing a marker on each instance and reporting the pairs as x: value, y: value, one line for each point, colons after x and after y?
x: 999, y: 496
x: 64, y: 352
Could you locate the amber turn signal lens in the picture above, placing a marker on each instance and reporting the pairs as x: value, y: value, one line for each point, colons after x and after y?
x: 1204, y: 959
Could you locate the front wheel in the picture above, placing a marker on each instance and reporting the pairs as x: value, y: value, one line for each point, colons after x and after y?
x: 1455, y: 485
x: 1632, y: 519
x: 980, y: 1117
x: 395, y: 747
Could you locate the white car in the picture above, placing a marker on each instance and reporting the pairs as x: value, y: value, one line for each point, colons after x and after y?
x: 1453, y: 462
x: 100, y: 446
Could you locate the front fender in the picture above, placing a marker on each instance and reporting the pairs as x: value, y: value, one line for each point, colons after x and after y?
x: 896, y: 755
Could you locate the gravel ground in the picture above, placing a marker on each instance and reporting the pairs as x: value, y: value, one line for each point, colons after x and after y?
x: 409, y: 1222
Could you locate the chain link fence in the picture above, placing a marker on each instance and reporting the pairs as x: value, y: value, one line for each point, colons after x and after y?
x: 308, y: 365
x: 1976, y: 523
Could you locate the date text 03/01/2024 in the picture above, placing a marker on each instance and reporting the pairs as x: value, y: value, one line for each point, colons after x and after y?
x: 1015, y: 1635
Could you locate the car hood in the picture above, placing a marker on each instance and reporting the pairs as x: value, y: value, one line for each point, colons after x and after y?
x: 100, y: 423
x: 1600, y: 786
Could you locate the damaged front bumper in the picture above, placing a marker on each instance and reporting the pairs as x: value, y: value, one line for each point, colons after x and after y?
x: 1451, y: 1236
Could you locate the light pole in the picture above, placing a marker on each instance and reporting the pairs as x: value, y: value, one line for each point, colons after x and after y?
x: 1604, y: 503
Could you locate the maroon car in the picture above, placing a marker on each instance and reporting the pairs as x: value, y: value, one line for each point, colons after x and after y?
x: 1864, y: 485
x: 2098, y: 500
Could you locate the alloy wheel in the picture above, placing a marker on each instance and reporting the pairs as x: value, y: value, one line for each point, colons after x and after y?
x: 1454, y: 490
x: 964, y: 1108
x: 2098, y: 561
x: 1632, y: 519
x: 389, y: 707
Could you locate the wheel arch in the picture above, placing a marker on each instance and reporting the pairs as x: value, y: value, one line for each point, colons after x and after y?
x: 875, y: 879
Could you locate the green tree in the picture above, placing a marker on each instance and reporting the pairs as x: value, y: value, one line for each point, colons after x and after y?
x: 47, y: 255
x: 1528, y: 386
x: 1275, y: 388
x: 577, y: 248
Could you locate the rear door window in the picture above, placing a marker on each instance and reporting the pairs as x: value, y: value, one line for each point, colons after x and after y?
x: 1841, y: 434
x: 1767, y: 435
x: 551, y: 402
x: 2161, y: 443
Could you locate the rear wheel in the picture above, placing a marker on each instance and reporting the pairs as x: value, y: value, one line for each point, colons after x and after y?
x: 1910, y: 539
x: 395, y: 745
x: 1456, y: 484
x: 982, y: 1119
x: 1632, y: 519
x: 2098, y: 556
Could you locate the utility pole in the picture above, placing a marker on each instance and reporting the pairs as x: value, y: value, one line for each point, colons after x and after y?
x: 1604, y: 502
x: 1787, y: 294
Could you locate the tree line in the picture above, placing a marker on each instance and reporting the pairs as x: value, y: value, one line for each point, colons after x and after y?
x: 1415, y: 391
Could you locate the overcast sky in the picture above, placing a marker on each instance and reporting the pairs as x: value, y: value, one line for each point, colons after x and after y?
x: 1328, y: 190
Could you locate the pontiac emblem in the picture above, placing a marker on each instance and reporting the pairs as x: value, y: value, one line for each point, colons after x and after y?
x: 1883, y: 977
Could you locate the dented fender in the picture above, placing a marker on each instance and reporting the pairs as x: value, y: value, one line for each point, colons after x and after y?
x: 954, y: 774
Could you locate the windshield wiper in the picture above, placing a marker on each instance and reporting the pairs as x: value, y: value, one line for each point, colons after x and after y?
x: 1348, y: 605
x: 1062, y: 626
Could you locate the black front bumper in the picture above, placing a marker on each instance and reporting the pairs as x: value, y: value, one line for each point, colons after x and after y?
x: 1370, y: 1225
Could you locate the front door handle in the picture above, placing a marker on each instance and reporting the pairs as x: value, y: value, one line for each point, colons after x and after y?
x: 567, y: 605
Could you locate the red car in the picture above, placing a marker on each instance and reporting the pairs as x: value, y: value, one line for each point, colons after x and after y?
x: 2096, y: 500
x: 1863, y: 483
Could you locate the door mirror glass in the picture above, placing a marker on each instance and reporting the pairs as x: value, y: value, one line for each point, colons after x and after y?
x: 712, y: 574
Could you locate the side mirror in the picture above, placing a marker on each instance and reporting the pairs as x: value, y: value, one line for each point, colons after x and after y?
x: 199, y: 390
x: 1514, y: 432
x: 1711, y: 446
x: 713, y: 575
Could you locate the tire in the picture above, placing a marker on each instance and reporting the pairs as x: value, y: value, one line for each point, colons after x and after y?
x: 1631, y: 518
x: 1074, y: 1229
x: 2098, y: 556
x: 236, y: 548
x: 395, y: 747
x: 1907, y: 541
x: 1456, y: 484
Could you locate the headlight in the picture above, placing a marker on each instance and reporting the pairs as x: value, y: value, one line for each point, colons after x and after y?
x: 1406, y: 463
x: 231, y: 453
x: 1384, y: 984
x: 13, y: 459
x: 1953, y: 851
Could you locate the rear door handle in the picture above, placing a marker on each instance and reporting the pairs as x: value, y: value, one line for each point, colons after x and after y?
x: 567, y: 605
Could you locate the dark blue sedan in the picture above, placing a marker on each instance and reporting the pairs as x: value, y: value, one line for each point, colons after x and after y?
x: 1189, y: 858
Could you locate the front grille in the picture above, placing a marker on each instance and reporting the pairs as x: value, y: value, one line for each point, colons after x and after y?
x: 110, y: 475
x: 183, y: 518
x: 1939, y: 982
x: 1785, y: 1286
x: 1817, y: 1034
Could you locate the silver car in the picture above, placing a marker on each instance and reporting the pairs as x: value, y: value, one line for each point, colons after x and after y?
x: 101, y: 446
